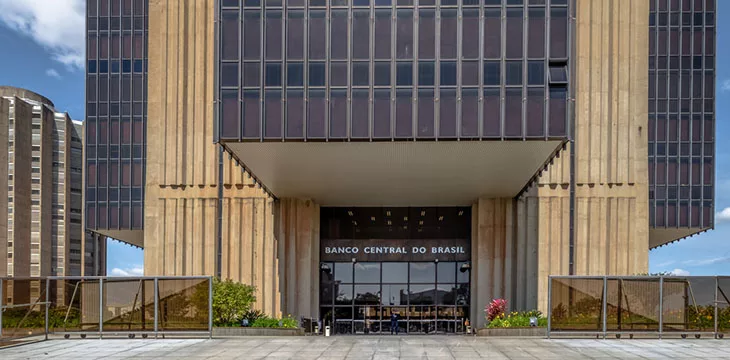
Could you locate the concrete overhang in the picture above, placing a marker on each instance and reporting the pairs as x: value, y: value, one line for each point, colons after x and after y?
x: 131, y: 237
x: 400, y: 173
x: 663, y: 236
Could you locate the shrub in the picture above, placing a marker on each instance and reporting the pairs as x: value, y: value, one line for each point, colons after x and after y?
x: 518, y: 319
x: 495, y: 308
x: 253, y: 315
x: 285, y: 323
x: 231, y: 301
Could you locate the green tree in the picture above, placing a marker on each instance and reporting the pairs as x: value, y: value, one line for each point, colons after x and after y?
x: 231, y: 301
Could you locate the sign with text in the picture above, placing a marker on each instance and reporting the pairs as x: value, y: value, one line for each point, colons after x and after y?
x: 395, y: 250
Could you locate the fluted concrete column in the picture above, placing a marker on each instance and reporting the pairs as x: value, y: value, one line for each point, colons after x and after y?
x: 298, y: 233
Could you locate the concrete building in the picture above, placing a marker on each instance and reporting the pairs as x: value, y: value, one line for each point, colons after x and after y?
x: 422, y: 157
x: 44, y: 182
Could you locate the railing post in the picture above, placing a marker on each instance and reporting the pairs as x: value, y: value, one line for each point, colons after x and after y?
x: 717, y: 286
x: 48, y: 299
x: 101, y: 306
x: 661, y: 305
x: 604, y: 305
x: 210, y: 306
x: 550, y: 306
x: 157, y: 293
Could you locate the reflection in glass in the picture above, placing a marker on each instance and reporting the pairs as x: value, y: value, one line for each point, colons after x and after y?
x: 394, y: 272
x: 394, y: 294
x: 446, y: 273
x: 343, y: 294
x: 367, y: 294
x: 423, y: 272
x: 421, y: 295
x: 367, y: 272
x: 343, y: 272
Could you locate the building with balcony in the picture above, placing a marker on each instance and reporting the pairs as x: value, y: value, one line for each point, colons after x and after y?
x: 43, y: 232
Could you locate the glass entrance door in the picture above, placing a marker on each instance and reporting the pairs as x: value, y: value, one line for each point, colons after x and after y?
x: 429, y: 297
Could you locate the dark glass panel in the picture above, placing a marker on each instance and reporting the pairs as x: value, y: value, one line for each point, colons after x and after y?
x: 536, y: 33
x: 273, y: 113
x: 426, y: 34
x: 447, y: 113
x: 317, y: 113
x: 514, y: 29
x: 338, y: 113
x: 360, y: 74
x: 404, y: 74
x: 343, y: 295
x: 273, y: 74
x: 229, y: 74
x: 338, y: 28
x: 294, y: 113
x: 448, y: 73
x: 492, y: 33
x: 294, y: 74
x: 469, y: 73
x: 396, y: 272
x: 403, y: 113
x: 513, y: 112
x: 317, y: 74
x: 338, y: 74
x: 317, y: 34
x: 492, y: 73
x: 382, y: 73
x: 492, y: 113
x: 251, y: 113
x: 229, y: 35
x: 558, y: 33
x: 274, y: 34
x: 229, y: 114
x: 513, y: 73
x: 426, y: 74
x: 360, y: 34
x: 535, y: 112
x: 295, y: 35
x: 359, y: 114
x: 421, y: 294
x: 251, y: 34
x: 382, y: 33
x: 470, y: 112
x: 558, y: 111
x: 446, y: 272
x: 404, y: 34
x: 381, y: 114
x: 448, y: 34
x: 535, y: 73
x: 395, y: 294
x: 470, y: 34
x: 425, y: 113
x: 367, y: 295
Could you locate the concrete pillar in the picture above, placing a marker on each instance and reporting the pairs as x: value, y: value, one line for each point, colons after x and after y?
x: 298, y: 233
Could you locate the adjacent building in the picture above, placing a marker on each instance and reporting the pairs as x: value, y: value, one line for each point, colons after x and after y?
x: 44, y: 182
x: 352, y: 159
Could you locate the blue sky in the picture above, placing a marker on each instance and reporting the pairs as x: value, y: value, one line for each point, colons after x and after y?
x: 43, y: 45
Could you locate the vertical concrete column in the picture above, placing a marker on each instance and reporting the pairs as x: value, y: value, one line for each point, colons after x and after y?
x: 298, y: 232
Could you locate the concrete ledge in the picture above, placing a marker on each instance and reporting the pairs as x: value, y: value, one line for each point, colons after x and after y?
x: 529, y: 331
x: 248, y: 331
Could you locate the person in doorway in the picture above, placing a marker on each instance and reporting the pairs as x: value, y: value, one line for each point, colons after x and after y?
x: 394, y: 323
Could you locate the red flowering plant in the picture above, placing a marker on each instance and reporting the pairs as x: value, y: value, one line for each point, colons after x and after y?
x: 495, y: 309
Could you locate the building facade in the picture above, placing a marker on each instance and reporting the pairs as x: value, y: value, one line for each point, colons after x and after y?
x: 116, y: 115
x: 352, y: 159
x: 43, y: 236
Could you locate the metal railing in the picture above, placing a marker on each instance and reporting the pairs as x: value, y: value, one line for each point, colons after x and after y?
x: 639, y: 305
x: 98, y: 306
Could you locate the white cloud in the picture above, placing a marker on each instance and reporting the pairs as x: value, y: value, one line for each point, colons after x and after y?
x: 57, y: 25
x: 679, y: 272
x: 725, y: 85
x: 53, y: 73
x: 706, y: 262
x: 723, y: 216
x: 133, y: 271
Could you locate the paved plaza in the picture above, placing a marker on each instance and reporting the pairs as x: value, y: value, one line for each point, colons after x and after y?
x: 370, y: 347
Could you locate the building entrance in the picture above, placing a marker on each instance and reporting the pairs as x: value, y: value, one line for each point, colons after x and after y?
x: 424, y: 278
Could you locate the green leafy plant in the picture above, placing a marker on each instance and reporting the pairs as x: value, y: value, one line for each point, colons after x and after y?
x: 517, y: 320
x: 287, y: 322
x: 231, y: 302
x: 253, y: 315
